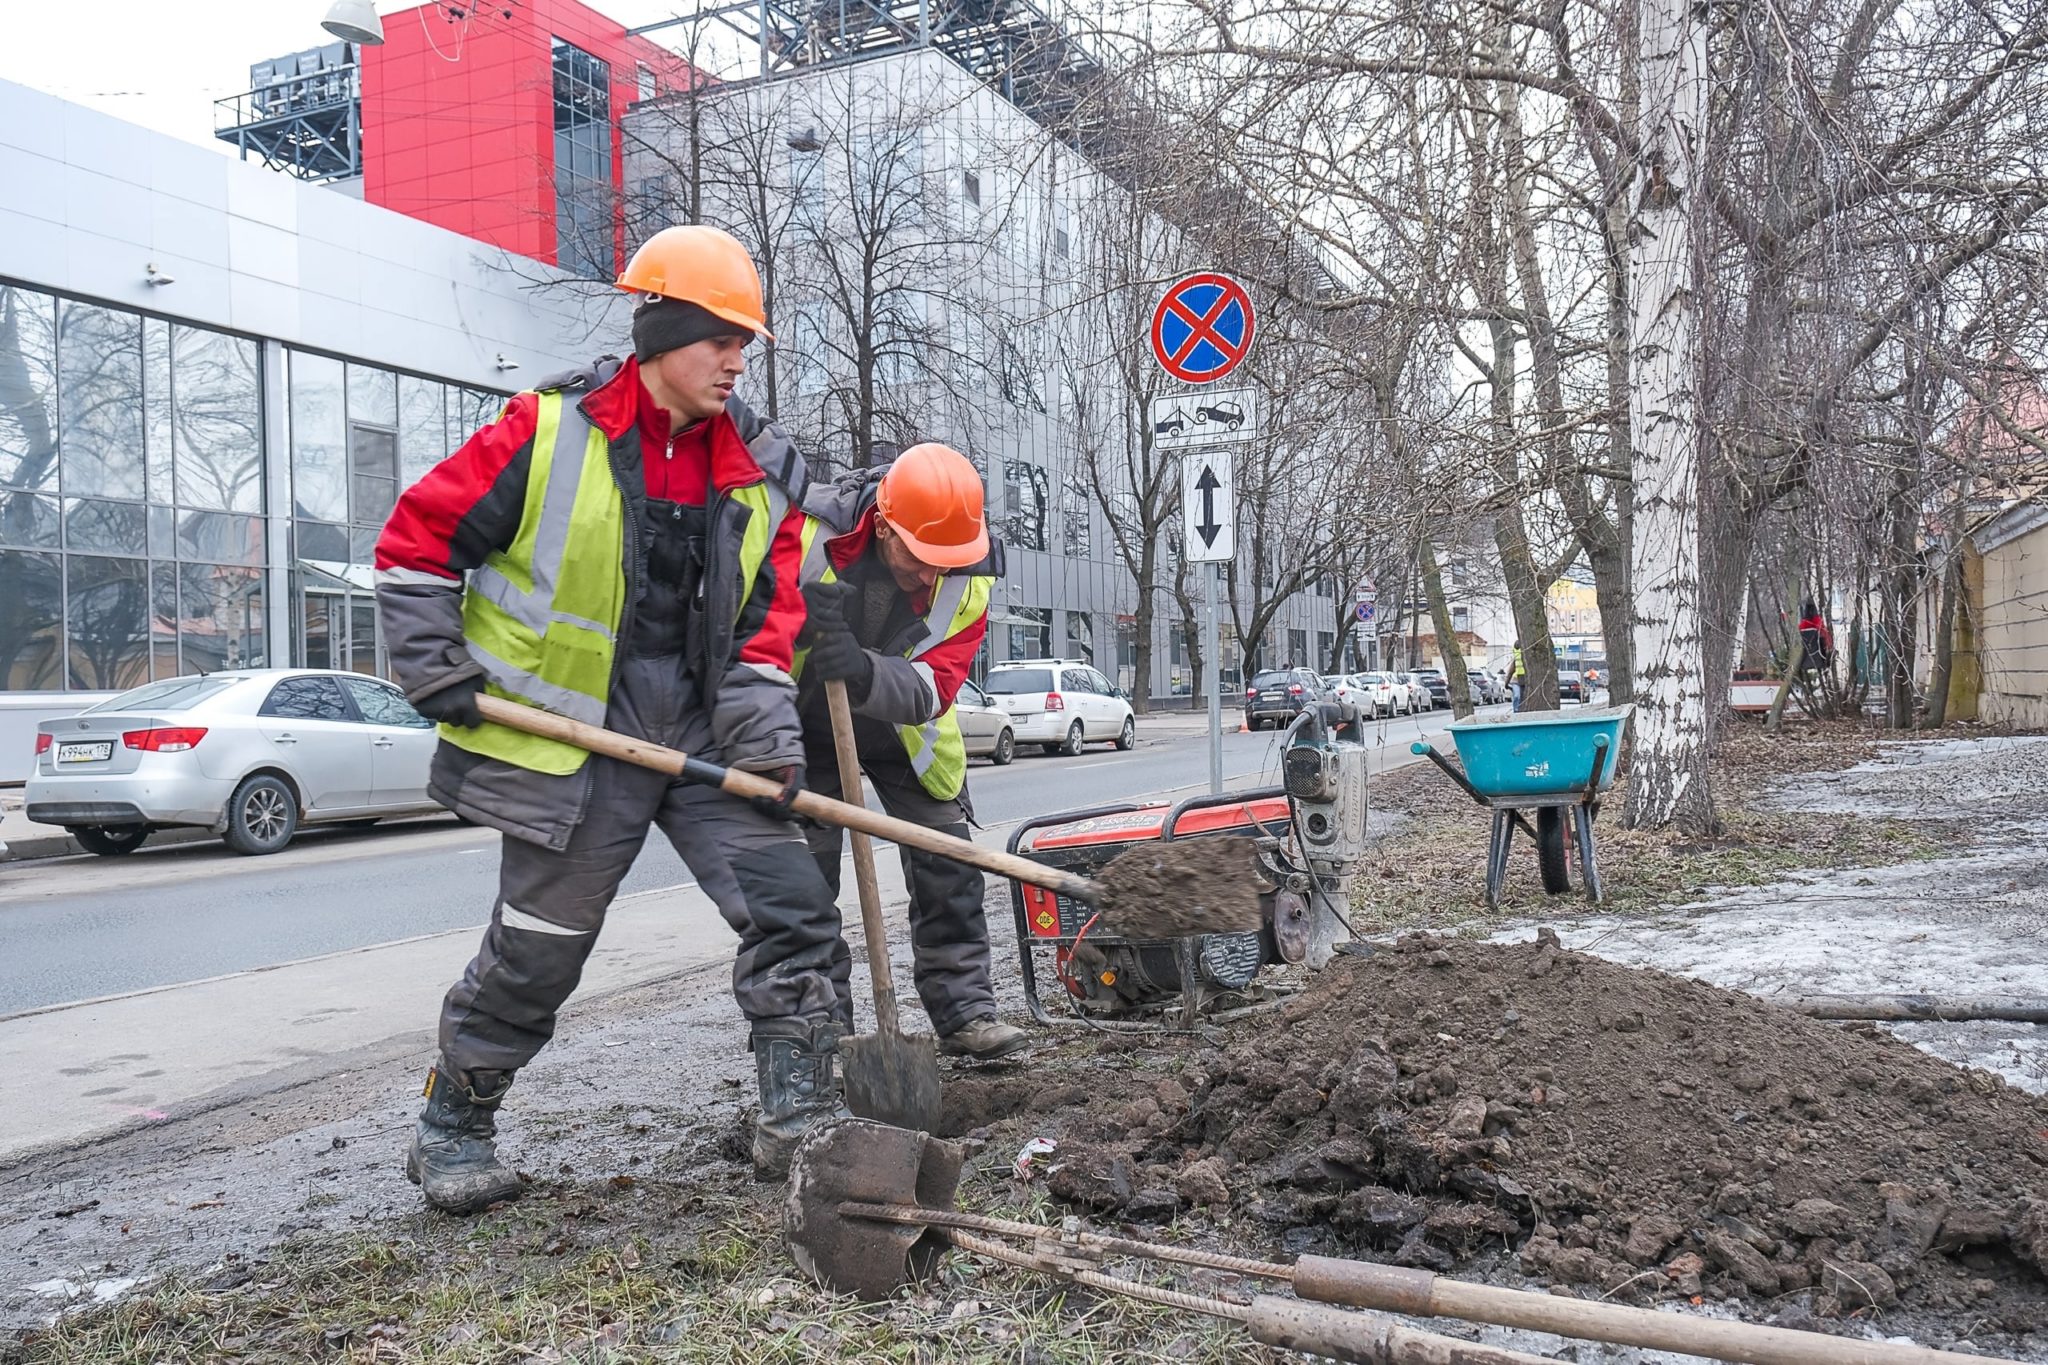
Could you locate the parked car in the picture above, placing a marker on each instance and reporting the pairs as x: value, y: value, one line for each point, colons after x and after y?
x: 1229, y: 416
x: 1275, y: 696
x: 1439, y: 686
x: 1061, y: 704
x: 1496, y: 685
x: 1419, y: 698
x: 1375, y: 694
x: 984, y: 726
x: 254, y: 754
x: 1570, y: 685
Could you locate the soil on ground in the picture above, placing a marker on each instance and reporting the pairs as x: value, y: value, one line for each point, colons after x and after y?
x: 1619, y: 1128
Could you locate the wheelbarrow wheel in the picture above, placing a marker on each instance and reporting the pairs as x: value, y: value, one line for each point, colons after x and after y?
x: 1550, y: 850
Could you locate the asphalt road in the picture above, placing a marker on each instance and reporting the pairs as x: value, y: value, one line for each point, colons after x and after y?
x: 79, y: 928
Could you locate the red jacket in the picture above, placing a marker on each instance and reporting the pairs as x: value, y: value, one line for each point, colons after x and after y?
x: 472, y: 503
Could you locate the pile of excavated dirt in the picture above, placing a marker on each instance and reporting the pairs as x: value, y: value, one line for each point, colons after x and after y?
x: 1616, y: 1127
x: 1194, y: 886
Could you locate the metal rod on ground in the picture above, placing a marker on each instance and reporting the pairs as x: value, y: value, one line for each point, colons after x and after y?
x: 2020, y: 1009
x: 1212, y: 673
x: 1417, y: 1293
x: 1362, y: 1338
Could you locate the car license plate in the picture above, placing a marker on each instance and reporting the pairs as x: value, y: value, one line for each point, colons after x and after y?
x: 97, y: 752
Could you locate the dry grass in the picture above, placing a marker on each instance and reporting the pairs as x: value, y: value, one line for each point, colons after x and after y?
x: 657, y: 1271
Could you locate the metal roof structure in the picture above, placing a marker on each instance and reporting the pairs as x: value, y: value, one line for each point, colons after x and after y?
x: 302, y: 114
x: 1015, y: 47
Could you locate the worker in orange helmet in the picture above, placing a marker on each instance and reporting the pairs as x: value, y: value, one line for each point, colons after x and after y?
x: 898, y: 566
x: 622, y: 546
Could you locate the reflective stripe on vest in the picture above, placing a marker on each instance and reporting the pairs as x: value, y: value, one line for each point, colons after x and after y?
x: 937, y: 753
x: 542, y: 616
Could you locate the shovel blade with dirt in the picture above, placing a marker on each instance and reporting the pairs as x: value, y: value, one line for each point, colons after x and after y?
x: 1151, y: 891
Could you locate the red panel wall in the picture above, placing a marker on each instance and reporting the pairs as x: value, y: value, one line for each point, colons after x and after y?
x: 458, y: 114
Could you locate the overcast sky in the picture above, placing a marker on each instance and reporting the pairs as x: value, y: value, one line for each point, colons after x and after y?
x: 162, y: 63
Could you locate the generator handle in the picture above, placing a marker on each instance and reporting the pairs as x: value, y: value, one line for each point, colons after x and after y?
x: 1209, y: 800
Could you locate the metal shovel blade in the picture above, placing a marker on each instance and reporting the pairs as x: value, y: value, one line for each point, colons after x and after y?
x: 892, y: 1078
x: 861, y: 1162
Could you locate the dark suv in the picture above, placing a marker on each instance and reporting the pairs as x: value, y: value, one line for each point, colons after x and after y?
x: 1439, y: 686
x: 1277, y: 695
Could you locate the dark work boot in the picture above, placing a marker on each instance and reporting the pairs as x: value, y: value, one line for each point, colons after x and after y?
x: 453, y: 1157
x: 793, y: 1062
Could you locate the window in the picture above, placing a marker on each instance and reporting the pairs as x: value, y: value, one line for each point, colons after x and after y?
x: 28, y: 377
x: 178, y: 694
x: 1030, y: 635
x: 106, y: 621
x: 422, y: 427
x: 319, y: 439
x: 382, y: 704
x: 969, y: 695
x: 216, y: 421
x: 646, y: 81
x: 220, y: 617
x: 1326, y: 647
x: 1025, y: 495
x: 99, y: 401
x: 583, y: 161
x: 373, y: 473
x: 1080, y: 643
x: 307, y: 698
x: 1014, y: 682
x: 970, y: 186
x: 1297, y: 647
x: 1076, y: 518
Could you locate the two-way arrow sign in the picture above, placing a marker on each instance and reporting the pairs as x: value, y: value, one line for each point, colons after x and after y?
x: 1208, y: 511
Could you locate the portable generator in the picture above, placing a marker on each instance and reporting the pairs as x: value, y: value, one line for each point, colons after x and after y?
x: 1309, y: 833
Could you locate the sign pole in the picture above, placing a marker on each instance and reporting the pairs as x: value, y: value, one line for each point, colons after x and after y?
x: 1213, y: 672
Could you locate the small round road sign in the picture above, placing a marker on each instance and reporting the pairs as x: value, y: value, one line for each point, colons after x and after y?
x: 1202, y: 328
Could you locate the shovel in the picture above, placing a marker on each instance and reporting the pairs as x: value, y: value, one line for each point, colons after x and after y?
x: 889, y: 1077
x: 1153, y: 890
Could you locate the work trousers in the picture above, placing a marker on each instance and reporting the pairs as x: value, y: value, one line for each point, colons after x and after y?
x: 948, y: 929
x: 792, y: 960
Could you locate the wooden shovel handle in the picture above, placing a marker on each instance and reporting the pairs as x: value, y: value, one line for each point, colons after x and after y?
x: 597, y: 740
x: 851, y: 789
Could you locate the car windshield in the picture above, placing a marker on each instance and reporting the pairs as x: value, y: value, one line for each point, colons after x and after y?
x: 1014, y: 680
x: 172, y: 694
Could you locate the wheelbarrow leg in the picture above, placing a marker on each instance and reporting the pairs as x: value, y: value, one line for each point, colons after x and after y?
x: 1497, y: 856
x: 1588, y: 863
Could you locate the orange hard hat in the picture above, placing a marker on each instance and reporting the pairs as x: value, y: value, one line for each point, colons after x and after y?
x: 931, y: 498
x: 701, y: 265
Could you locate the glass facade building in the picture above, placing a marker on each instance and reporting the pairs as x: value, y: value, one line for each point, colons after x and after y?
x: 176, y: 498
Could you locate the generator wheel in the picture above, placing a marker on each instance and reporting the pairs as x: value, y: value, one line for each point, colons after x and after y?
x: 1550, y: 851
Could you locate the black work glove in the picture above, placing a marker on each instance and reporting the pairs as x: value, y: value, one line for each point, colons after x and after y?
x: 454, y: 704
x: 777, y: 807
x: 826, y: 604
x: 836, y: 654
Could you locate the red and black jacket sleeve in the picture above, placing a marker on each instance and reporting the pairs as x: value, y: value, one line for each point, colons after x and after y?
x: 764, y: 638
x: 460, y: 511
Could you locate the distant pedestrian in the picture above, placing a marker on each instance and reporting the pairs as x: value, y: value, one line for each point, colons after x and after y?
x: 1515, y: 676
x: 1817, y: 645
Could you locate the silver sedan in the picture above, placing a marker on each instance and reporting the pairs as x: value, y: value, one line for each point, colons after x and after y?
x: 251, y: 755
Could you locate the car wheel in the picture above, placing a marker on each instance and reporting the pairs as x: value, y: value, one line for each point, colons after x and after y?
x: 262, y: 815
x: 1005, y: 750
x: 110, y: 841
x: 1075, y: 741
x: 1127, y: 738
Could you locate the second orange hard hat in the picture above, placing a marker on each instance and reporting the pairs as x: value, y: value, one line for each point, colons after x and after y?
x: 931, y: 497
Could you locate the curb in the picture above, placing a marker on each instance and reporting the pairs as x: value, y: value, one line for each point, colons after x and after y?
x: 64, y: 846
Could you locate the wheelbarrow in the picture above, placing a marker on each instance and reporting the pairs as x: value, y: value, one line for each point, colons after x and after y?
x: 1552, y: 765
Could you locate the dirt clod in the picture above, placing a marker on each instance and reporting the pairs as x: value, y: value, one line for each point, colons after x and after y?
x: 1190, y: 886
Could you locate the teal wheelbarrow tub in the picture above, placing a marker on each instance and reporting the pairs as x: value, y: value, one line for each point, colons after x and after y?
x: 1553, y: 763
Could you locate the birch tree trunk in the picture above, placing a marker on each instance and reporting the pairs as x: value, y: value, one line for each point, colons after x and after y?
x: 1668, y: 776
